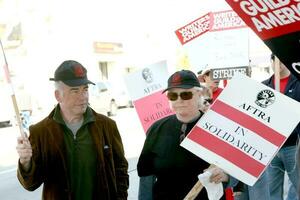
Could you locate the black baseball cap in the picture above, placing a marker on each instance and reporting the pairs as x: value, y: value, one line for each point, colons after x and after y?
x: 71, y: 73
x: 182, y: 79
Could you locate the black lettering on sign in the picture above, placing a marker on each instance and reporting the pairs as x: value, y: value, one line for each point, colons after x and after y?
x: 234, y: 140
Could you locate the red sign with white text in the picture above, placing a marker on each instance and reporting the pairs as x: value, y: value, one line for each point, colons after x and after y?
x: 221, y: 38
x: 226, y: 20
x: 277, y: 23
x: 193, y: 29
x: 212, y: 21
x: 269, y: 19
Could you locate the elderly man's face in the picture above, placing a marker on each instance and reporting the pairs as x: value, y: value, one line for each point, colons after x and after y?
x: 186, y: 101
x: 74, y: 100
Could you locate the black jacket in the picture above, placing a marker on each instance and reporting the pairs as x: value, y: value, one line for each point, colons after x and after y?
x: 175, y: 168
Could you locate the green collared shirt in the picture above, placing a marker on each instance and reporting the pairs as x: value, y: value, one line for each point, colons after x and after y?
x: 81, y: 155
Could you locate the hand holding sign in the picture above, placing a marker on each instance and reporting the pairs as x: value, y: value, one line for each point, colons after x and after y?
x: 242, y: 134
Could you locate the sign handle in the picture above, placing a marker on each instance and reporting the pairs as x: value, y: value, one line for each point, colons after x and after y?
x: 13, y: 96
x: 194, y: 191
x: 277, y: 74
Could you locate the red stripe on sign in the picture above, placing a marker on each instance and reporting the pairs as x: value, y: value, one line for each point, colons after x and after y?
x: 225, y: 150
x: 248, y: 122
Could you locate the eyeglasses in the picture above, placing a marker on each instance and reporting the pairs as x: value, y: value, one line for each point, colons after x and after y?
x: 208, y: 101
x: 173, y: 96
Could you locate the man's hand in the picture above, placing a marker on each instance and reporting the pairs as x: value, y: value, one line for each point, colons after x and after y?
x: 25, y: 152
x: 218, y: 175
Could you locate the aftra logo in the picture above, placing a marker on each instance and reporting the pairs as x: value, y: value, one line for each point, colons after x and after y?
x: 265, y: 98
x: 147, y: 75
x: 296, y: 67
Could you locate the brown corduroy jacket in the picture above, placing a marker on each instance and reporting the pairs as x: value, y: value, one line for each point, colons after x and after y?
x: 49, y: 162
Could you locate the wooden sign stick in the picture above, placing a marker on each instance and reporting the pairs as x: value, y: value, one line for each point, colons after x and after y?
x: 277, y: 74
x: 13, y: 96
x: 193, y: 193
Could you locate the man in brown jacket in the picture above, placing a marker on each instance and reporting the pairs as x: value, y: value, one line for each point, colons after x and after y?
x: 75, y: 152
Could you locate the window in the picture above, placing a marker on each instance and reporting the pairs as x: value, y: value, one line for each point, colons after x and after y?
x: 104, y: 70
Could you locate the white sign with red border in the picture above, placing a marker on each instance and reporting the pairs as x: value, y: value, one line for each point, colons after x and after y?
x: 244, y: 128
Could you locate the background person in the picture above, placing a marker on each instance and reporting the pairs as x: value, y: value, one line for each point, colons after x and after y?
x: 259, y: 191
x: 74, y: 152
x: 206, y: 98
x: 298, y: 164
x: 204, y: 76
x: 285, y: 159
x: 175, y: 169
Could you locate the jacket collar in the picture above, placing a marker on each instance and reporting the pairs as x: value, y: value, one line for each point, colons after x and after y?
x: 292, y: 80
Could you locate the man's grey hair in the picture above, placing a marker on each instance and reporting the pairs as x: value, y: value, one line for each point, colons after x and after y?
x: 58, y: 85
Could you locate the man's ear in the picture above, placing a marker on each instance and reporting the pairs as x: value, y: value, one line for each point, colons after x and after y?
x: 57, y: 95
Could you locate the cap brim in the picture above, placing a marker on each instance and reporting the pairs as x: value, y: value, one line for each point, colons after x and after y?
x: 78, y: 82
x: 205, y: 71
x: 74, y: 83
x: 179, y: 86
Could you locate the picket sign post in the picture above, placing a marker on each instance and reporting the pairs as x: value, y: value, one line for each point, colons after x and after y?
x: 193, y: 193
x: 276, y: 74
x: 13, y: 96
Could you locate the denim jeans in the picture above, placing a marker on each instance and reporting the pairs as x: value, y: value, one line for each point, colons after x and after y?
x: 292, y: 191
x: 285, y: 160
x: 259, y: 191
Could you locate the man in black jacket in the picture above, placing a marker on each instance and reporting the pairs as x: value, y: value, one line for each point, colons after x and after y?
x: 285, y: 160
x: 175, y: 169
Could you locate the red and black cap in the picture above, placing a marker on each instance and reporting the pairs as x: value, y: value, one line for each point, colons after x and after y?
x: 71, y: 73
x: 183, y: 79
